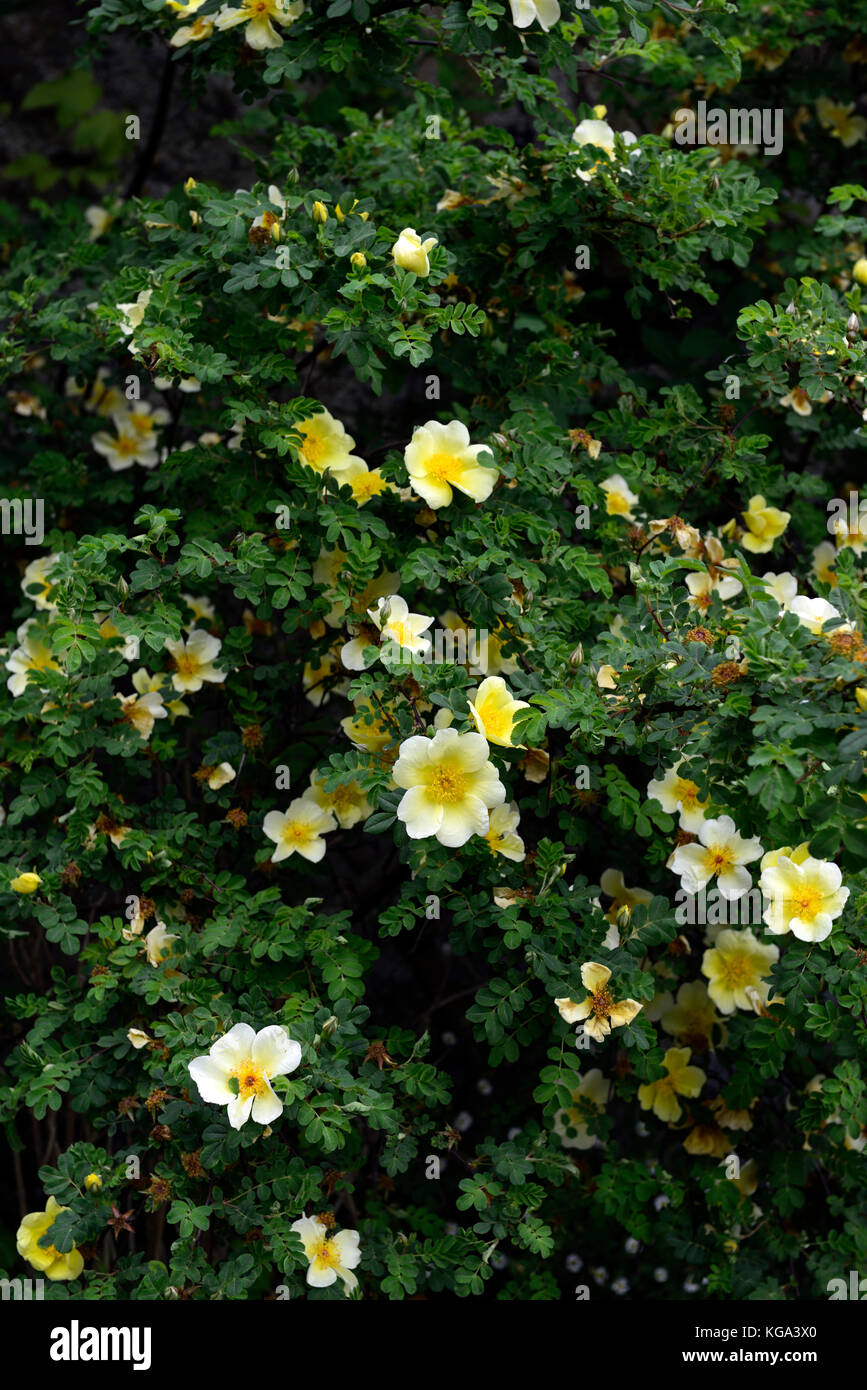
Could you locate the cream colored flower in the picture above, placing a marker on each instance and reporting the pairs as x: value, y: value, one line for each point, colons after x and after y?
x: 270, y: 220
x: 805, y: 896
x: 299, y: 830
x: 157, y: 943
x: 782, y: 587
x: 260, y: 16
x: 347, y: 801
x: 493, y: 709
x: 138, y: 1038
x: 317, y: 679
x: 679, y: 795
x: 798, y: 400
x: 237, y: 1072
x: 693, y: 1018
x: 450, y: 786
x: 619, y: 497
x: 702, y: 587
x: 37, y: 572
x: 441, y: 457
x: 502, y: 837
x: 736, y: 964
x: 524, y: 12
x: 600, y: 135
x: 141, y: 710
x: 574, y: 1125
x: 369, y: 728
x: 98, y: 220
x: 29, y: 658
x: 625, y: 899
x: 838, y: 119
x: 202, y: 608
x: 402, y: 634
x: 125, y: 448
x: 411, y: 253
x: 721, y: 853
x: 330, y: 1256
x: 599, y: 1009
x: 680, y: 1080
x: 194, y: 661
x: 133, y: 314
x: 764, y: 525
x: 140, y: 418
x: 221, y: 776
x: 813, y: 613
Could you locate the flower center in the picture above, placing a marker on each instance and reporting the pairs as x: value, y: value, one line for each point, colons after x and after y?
x: 718, y: 858
x: 601, y: 1003
x: 807, y: 903
x: 313, y: 448
x: 297, y: 832
x: 736, y: 969
x: 448, y: 785
x: 326, y: 1253
x: 251, y: 1080
x: 186, y: 664
x: 618, y: 505
x: 443, y: 468
x: 496, y: 721
x: 686, y: 791
x: 126, y: 446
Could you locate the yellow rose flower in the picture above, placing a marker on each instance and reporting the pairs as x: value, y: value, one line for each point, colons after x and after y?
x: 440, y: 457
x: 764, y: 525
x: 25, y: 883
x: 299, y: 830
x: 53, y: 1263
x: 599, y: 1008
x: 493, y: 709
x: 450, y: 786
x: 411, y: 253
x: 681, y: 1080
x: 737, y: 962
x: 325, y: 444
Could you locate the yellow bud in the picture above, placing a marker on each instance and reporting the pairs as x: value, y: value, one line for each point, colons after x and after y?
x: 358, y: 260
x: 861, y: 697
x: 364, y: 216
x: 189, y: 185
x: 25, y: 883
x: 339, y: 213
x: 859, y: 270
x: 93, y: 1182
x: 600, y: 112
x: 730, y: 1246
x: 320, y: 212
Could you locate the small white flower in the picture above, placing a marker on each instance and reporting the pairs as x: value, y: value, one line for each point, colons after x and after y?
x: 720, y: 852
x: 813, y: 613
x: 237, y: 1070
x: 620, y: 1286
x: 574, y: 1263
x: 631, y: 1245
x: 524, y: 12
x: 782, y: 587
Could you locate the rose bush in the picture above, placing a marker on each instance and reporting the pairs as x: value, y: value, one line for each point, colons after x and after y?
x: 435, y: 709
